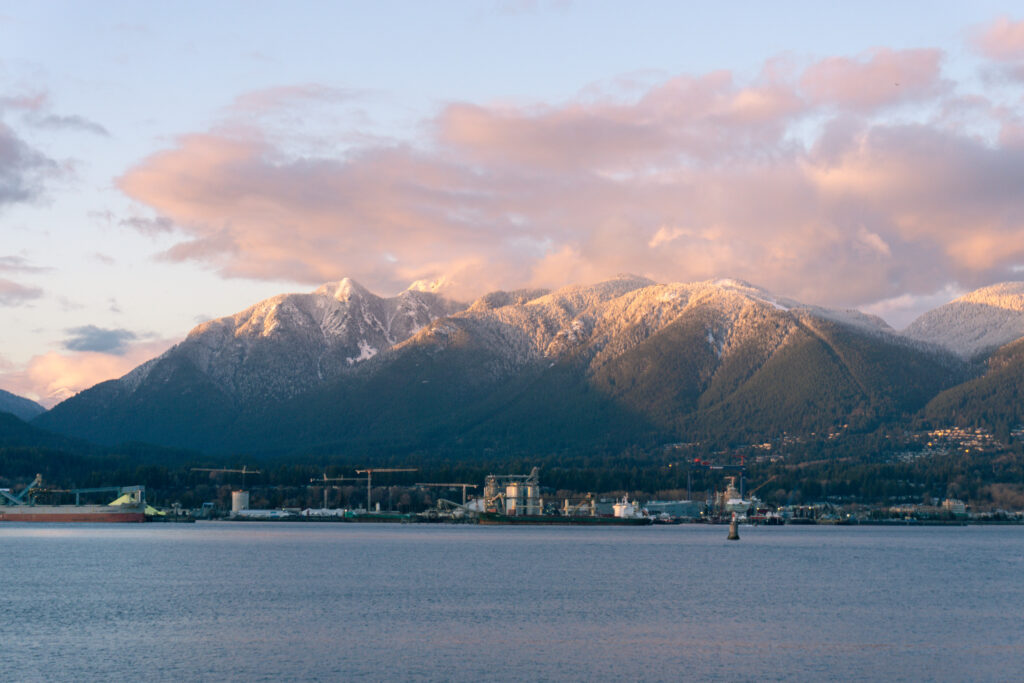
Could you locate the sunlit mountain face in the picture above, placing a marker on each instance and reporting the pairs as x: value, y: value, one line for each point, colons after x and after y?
x: 623, y: 360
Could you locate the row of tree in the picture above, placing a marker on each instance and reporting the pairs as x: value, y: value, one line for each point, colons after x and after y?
x: 834, y: 471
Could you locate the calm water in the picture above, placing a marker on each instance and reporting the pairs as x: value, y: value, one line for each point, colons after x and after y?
x: 273, y: 602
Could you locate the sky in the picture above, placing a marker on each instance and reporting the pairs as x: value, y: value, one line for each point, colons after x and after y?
x: 162, y: 164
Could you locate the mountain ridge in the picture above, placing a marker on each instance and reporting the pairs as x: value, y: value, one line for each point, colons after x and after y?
x: 19, y: 406
x: 416, y: 371
x: 976, y: 323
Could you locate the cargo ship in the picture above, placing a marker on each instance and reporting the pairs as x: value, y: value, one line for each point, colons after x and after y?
x: 130, y: 506
x: 73, y: 513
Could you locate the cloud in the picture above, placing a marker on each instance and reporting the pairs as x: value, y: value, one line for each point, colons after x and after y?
x: 1003, y: 40
x: 18, y: 264
x: 149, y: 226
x: 79, y: 123
x: 52, y: 377
x: 880, y: 78
x: 796, y: 181
x: 706, y: 118
x: 23, y: 170
x: 900, y: 311
x: 270, y: 99
x: 35, y: 102
x: 14, y: 294
x: 92, y: 338
x: 36, y: 110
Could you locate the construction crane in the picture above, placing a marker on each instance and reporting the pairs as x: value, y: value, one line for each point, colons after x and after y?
x: 324, y: 479
x: 244, y: 471
x: 454, y: 486
x: 369, y: 478
x: 762, y: 484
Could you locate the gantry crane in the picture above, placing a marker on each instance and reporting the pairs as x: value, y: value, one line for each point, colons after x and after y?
x: 741, y: 468
x: 369, y: 478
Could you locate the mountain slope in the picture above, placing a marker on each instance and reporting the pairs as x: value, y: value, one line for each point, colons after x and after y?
x: 16, y: 433
x: 278, y: 348
x: 21, y: 407
x: 976, y: 323
x: 626, y: 361
x: 621, y: 362
x: 995, y: 400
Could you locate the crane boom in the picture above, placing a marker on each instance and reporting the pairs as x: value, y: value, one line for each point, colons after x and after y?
x: 762, y: 484
x: 244, y: 471
x: 324, y: 479
x: 369, y: 478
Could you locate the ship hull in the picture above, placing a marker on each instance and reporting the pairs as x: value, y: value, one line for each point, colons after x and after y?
x: 72, y: 513
x: 497, y: 518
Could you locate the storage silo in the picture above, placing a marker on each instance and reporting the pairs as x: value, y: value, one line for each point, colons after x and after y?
x: 239, y: 501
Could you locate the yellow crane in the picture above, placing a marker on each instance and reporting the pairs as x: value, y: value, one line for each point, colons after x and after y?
x: 762, y: 484
x: 369, y: 478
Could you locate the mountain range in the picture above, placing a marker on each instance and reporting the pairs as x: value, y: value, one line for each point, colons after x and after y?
x: 19, y: 406
x: 623, y: 362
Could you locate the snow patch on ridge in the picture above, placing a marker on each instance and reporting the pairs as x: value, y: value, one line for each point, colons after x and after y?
x: 366, y: 352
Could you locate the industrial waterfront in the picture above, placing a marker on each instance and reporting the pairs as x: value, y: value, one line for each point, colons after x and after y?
x: 505, y: 499
x: 264, y: 601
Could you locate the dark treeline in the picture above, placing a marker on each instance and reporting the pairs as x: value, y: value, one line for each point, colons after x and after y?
x: 851, y: 470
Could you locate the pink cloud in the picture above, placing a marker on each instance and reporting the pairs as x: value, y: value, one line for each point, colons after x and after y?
x: 880, y: 78
x: 1003, y: 40
x: 705, y: 118
x: 13, y: 294
x: 696, y: 177
x: 52, y: 377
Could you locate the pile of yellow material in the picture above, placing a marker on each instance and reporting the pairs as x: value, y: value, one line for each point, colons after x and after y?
x: 127, y: 499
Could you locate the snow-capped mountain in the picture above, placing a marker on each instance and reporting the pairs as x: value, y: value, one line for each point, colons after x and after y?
x: 293, y: 342
x: 616, y: 360
x: 975, y: 323
x: 604, y: 321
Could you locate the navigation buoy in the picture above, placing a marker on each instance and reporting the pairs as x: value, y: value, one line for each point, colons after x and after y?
x: 734, y: 531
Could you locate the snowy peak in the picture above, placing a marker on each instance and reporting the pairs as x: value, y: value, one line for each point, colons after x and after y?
x: 323, y: 367
x: 577, y: 298
x: 602, y: 321
x: 343, y: 290
x: 290, y: 343
x: 432, y: 286
x: 976, y: 323
x: 1006, y: 295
